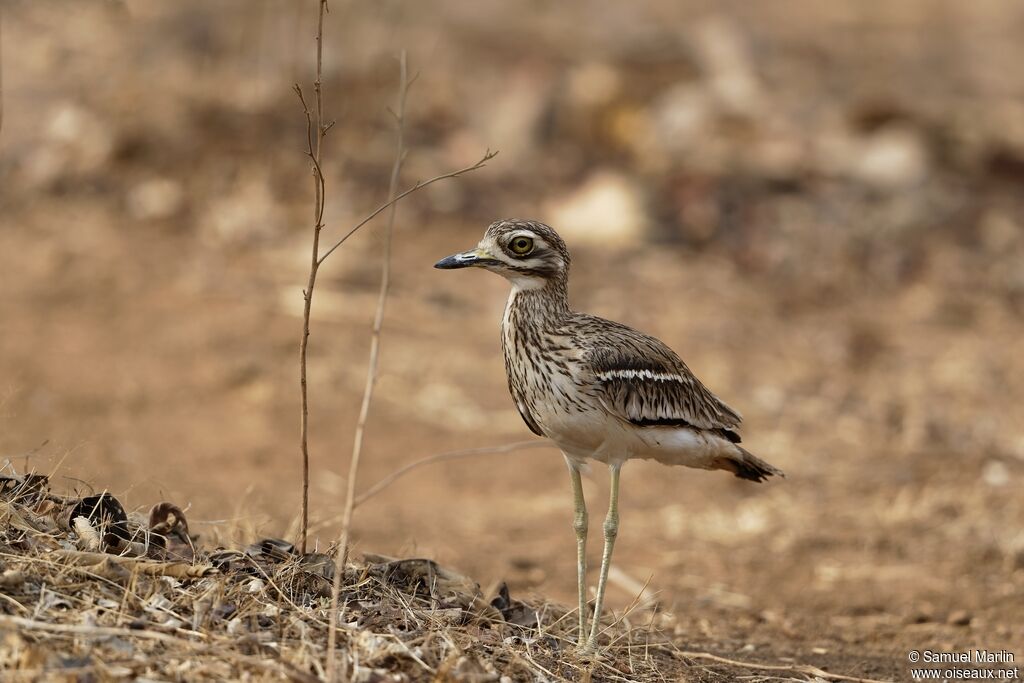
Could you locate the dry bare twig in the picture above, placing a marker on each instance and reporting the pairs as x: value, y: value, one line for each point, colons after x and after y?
x: 797, y: 668
x: 315, y: 132
x: 420, y: 184
x: 371, y: 369
x: 142, y: 565
x: 378, y: 318
x: 428, y: 460
x: 314, y: 140
x: 449, y: 455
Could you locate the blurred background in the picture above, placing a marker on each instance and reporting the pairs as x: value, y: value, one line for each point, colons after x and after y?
x: 818, y: 205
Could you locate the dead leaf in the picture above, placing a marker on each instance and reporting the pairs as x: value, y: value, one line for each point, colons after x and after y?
x: 271, y: 550
x: 169, y: 532
x: 27, y: 488
x: 514, y: 611
x: 105, y: 514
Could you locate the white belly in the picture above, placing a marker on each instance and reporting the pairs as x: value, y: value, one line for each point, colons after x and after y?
x: 599, y: 436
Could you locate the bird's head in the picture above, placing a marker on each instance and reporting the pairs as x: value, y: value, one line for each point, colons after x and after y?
x: 529, y: 254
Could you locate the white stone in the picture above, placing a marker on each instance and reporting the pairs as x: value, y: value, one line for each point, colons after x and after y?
x: 607, y: 210
x: 893, y: 157
x: 154, y: 199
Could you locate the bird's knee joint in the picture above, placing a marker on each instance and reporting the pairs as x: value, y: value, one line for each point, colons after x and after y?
x: 611, y: 527
x: 579, y: 523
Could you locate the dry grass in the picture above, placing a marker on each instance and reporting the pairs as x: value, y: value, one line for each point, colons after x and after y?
x: 91, y: 592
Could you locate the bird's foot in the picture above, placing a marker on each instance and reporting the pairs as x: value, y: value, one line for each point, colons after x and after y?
x: 587, y: 649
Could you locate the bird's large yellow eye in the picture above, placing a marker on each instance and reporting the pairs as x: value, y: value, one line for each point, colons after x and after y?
x: 521, y: 245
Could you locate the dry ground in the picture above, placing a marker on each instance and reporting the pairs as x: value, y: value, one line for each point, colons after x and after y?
x: 818, y: 205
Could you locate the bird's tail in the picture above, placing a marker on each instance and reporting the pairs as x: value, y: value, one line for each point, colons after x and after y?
x: 746, y: 465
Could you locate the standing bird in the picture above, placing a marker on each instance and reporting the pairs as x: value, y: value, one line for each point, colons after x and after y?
x: 596, y: 388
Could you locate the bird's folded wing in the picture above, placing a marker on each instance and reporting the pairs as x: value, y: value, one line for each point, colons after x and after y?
x: 643, y: 382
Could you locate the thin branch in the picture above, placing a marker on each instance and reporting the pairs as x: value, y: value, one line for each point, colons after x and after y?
x: 807, y: 669
x: 488, y: 155
x: 314, y: 140
x: 341, y: 557
x: 450, y: 455
x: 636, y: 603
x: 314, y: 157
x: 430, y: 459
x: 378, y: 320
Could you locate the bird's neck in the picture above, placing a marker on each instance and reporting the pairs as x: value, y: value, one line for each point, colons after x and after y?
x: 535, y: 301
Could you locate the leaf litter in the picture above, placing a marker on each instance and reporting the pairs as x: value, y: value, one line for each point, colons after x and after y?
x: 89, y: 591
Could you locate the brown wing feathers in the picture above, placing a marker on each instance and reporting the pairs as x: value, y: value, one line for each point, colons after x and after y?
x: 642, y: 381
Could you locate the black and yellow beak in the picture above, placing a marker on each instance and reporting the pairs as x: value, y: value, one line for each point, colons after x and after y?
x: 466, y: 259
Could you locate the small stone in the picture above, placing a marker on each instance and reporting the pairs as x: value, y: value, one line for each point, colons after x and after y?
x: 155, y: 199
x: 995, y: 473
x: 959, y: 617
x: 922, y: 615
x: 607, y: 210
x: 891, y: 158
x: 77, y: 142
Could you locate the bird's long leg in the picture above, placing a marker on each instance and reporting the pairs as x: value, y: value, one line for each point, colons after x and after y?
x: 611, y: 530
x: 579, y: 525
